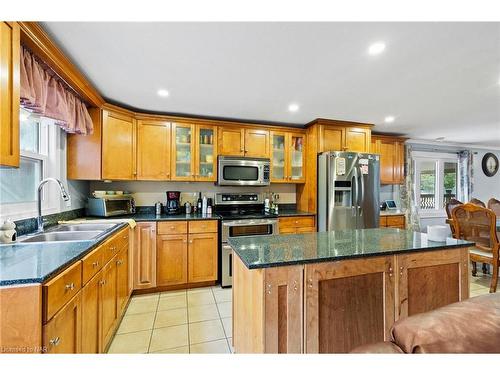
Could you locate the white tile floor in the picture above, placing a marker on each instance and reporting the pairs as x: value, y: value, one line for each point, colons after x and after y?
x: 194, y: 321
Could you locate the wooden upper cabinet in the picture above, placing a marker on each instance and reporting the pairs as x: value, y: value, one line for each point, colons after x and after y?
x: 171, y: 259
x: 357, y: 139
x: 287, y: 157
x: 118, y: 146
x: 183, y: 150
x: 206, y: 153
x: 153, y: 150
x: 257, y: 143
x: 9, y: 93
x: 231, y: 141
x: 145, y: 255
x: 391, y: 150
x: 331, y: 138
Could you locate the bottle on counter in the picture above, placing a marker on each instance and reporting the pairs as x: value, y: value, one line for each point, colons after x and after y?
x: 199, y: 204
x: 204, y: 206
x: 209, y: 206
x: 158, y: 207
x: 187, y: 206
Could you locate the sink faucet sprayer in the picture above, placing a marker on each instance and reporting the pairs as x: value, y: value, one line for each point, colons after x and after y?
x: 64, y: 196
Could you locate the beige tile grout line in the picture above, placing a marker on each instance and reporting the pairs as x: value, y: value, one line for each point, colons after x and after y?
x: 220, y: 319
x: 154, y: 321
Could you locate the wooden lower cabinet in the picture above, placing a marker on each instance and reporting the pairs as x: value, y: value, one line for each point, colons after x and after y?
x: 62, y: 334
x: 297, y: 224
x: 108, y: 300
x: 202, y: 257
x: 430, y: 280
x: 122, y: 271
x: 392, y: 221
x: 91, y: 316
x: 348, y: 303
x: 145, y: 255
x: 171, y: 260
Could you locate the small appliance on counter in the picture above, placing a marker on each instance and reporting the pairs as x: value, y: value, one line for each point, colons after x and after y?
x: 110, y: 205
x: 8, y: 232
x: 173, y: 205
x: 158, y: 208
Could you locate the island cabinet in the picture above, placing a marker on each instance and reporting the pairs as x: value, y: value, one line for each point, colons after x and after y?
x: 267, y: 309
x: 287, y: 157
x: 9, y: 93
x: 348, y: 303
x: 391, y: 150
x: 239, y: 141
x: 118, y: 146
x: 430, y: 280
x: 333, y: 292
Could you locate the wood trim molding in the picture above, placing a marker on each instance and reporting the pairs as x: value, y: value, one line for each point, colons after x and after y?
x: 36, y: 39
x: 389, y: 137
x: 342, y: 123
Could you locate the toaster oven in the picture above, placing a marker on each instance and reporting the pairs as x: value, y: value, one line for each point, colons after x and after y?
x: 111, y: 206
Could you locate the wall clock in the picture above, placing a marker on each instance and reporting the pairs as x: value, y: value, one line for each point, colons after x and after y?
x: 490, y: 164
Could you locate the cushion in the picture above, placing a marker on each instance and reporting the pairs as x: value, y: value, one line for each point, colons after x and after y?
x: 470, y: 326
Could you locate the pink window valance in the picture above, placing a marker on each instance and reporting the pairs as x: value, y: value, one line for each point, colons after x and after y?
x: 43, y: 92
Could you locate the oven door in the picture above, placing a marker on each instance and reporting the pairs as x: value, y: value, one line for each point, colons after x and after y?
x: 240, y: 172
x: 248, y: 227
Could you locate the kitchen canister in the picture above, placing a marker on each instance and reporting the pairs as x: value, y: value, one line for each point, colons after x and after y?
x: 437, y: 233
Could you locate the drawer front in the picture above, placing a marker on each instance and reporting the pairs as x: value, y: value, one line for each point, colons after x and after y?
x: 110, y: 248
x: 91, y: 264
x: 203, y: 226
x: 61, y: 289
x: 383, y: 221
x: 123, y: 238
x: 297, y: 222
x: 306, y: 230
x: 172, y: 227
x: 395, y: 220
x: 287, y: 230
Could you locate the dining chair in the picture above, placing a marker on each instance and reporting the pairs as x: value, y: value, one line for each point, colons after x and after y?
x: 494, y: 205
x: 478, y: 224
x: 477, y: 202
x: 449, y: 207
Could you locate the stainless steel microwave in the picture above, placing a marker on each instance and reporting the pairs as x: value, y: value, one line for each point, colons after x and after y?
x: 238, y: 171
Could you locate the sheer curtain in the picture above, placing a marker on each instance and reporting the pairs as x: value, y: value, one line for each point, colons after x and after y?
x: 44, y: 93
x: 466, y: 175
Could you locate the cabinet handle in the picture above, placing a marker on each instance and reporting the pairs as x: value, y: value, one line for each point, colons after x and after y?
x: 55, y: 341
x: 95, y: 264
x: 125, y: 237
x: 102, y: 282
x: 172, y: 227
x: 119, y: 262
x: 190, y: 241
x: 296, y: 221
x: 70, y: 286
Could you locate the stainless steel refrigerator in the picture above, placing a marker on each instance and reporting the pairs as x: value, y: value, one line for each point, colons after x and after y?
x: 348, y: 190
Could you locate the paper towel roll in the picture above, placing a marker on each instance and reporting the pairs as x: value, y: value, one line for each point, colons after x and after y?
x: 437, y: 232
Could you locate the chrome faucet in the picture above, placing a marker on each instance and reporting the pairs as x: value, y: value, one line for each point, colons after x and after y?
x: 64, y: 196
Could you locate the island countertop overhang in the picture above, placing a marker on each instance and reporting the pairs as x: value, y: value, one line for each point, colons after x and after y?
x: 295, y: 249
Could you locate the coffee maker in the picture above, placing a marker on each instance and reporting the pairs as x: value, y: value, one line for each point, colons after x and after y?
x: 173, y: 205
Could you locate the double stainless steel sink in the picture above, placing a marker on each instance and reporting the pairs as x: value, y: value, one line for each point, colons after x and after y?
x: 71, y: 232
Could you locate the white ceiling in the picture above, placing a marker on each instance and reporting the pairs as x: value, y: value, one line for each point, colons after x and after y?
x: 437, y: 79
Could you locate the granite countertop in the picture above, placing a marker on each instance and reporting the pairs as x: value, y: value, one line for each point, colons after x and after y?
x: 27, y: 263
x: 151, y: 216
x: 391, y: 212
x: 282, y: 250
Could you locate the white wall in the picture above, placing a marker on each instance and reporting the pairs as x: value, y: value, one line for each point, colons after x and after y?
x: 484, y: 187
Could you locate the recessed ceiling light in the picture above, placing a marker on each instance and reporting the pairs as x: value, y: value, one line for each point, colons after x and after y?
x: 376, y: 48
x: 293, y: 107
x: 163, y: 93
x: 389, y: 119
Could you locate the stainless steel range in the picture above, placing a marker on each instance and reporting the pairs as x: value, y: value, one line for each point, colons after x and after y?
x: 242, y: 215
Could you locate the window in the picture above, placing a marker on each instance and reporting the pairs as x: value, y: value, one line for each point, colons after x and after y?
x: 38, y: 146
x: 435, y: 181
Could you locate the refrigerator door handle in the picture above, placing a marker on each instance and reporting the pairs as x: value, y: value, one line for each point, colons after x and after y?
x: 362, y: 195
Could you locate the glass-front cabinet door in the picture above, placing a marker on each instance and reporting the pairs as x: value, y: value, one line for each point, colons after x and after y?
x: 206, y: 153
x: 296, y: 161
x: 183, y: 152
x: 279, y: 157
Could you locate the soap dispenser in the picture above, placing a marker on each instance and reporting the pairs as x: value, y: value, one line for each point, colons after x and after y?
x: 8, y: 232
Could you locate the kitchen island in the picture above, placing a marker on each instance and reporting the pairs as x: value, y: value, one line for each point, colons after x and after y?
x: 330, y: 292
